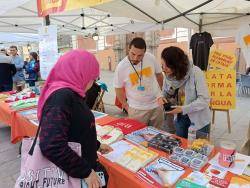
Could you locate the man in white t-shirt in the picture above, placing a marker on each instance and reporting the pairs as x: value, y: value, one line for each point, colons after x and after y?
x: 138, y: 78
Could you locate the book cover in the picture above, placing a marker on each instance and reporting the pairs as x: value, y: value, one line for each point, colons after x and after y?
x: 127, y: 125
x: 108, y: 134
x: 164, y: 142
x: 142, y: 136
x: 136, y: 158
x: 161, y: 172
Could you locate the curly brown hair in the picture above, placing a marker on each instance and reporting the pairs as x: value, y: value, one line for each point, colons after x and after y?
x: 176, y: 59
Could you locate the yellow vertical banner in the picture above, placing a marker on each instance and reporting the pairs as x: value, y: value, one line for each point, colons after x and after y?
x: 46, y: 7
x: 222, y: 88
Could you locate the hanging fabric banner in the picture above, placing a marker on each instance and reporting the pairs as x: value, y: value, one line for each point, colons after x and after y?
x: 48, y: 50
x: 46, y: 7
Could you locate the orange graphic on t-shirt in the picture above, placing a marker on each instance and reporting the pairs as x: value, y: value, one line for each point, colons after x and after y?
x: 247, y: 39
x: 146, y: 72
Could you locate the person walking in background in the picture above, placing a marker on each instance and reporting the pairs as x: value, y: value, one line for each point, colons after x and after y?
x: 7, y: 70
x: 17, y: 60
x: 32, y: 69
x: 138, y: 78
x: 186, y: 82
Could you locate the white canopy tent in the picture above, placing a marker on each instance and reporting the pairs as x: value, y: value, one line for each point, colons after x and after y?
x: 86, y: 21
x: 18, y: 37
x: 219, y: 17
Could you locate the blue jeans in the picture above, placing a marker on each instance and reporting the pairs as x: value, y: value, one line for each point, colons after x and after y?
x: 6, y: 87
x: 182, y: 124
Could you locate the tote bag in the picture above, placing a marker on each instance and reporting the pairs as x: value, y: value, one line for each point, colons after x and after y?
x: 38, y: 172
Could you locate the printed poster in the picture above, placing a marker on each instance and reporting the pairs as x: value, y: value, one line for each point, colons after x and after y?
x: 222, y: 88
x: 48, y: 49
x: 222, y: 59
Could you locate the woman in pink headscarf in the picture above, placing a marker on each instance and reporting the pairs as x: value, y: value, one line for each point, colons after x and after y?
x: 64, y: 116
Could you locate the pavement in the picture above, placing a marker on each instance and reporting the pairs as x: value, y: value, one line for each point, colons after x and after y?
x: 240, y: 122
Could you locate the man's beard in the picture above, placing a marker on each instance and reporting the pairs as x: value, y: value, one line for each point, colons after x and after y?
x: 134, y: 62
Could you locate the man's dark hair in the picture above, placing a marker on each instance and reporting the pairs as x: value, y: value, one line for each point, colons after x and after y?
x: 176, y: 59
x: 138, y: 43
x: 13, y: 47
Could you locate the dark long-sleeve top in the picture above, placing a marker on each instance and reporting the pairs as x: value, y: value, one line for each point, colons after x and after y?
x: 66, y: 118
x: 7, y: 70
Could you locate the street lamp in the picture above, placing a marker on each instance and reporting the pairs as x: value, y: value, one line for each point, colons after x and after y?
x: 28, y: 47
x: 95, y: 36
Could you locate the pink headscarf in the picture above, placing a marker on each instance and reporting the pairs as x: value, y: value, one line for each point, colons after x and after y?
x: 73, y: 70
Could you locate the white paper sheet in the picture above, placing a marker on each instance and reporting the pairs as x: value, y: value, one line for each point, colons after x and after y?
x: 119, y: 148
x: 241, y: 162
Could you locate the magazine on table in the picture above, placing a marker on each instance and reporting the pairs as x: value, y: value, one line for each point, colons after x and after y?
x: 136, y: 158
x: 161, y: 172
x: 142, y: 136
x: 108, y: 134
x: 127, y: 125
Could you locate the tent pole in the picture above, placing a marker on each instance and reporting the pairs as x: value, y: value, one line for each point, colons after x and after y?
x: 248, y: 14
x: 46, y: 20
x: 181, y: 12
x: 190, y: 10
x: 200, y: 23
x: 219, y: 13
x: 132, y: 5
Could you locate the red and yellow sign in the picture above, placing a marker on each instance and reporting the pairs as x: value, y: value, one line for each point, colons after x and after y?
x: 221, y: 59
x: 46, y: 7
x: 222, y: 88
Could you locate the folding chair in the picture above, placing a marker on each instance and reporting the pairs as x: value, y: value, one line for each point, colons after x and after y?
x: 99, y: 105
x: 245, y: 148
x: 244, y: 85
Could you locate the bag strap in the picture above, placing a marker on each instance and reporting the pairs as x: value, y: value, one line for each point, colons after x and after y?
x: 195, y: 83
x: 35, y: 140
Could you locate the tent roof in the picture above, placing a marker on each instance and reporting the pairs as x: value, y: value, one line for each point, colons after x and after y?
x: 133, y: 16
x: 18, y: 37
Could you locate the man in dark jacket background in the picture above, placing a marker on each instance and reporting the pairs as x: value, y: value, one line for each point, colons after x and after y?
x: 7, y: 70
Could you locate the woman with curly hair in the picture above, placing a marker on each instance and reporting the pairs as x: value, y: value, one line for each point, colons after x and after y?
x: 185, y: 84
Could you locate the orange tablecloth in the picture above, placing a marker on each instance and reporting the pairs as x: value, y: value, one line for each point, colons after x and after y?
x: 5, y: 113
x: 20, y: 127
x: 118, y: 176
x: 123, y: 178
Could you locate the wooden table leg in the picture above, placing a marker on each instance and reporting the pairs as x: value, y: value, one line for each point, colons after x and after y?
x: 213, y: 117
x: 228, y: 122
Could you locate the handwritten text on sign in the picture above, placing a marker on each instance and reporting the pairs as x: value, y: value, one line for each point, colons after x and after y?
x: 222, y: 88
x: 221, y: 59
